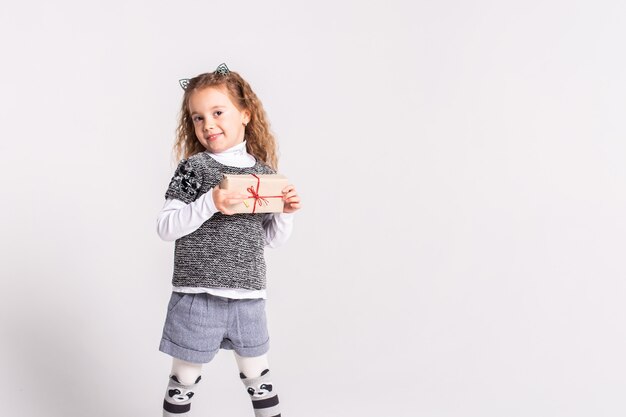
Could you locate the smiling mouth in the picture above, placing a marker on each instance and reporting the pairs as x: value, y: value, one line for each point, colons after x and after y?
x: 213, y: 137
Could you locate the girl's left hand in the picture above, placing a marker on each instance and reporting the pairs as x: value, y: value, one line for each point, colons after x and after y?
x: 291, y: 199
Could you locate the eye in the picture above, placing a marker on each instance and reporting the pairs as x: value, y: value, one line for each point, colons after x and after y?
x: 219, y: 112
x: 196, y: 119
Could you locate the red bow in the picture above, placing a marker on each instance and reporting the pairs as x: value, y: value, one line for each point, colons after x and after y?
x: 259, y: 199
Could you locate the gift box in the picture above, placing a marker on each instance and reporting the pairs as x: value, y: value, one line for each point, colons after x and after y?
x: 264, y: 192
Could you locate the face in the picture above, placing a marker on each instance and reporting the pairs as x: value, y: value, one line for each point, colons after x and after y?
x: 218, y: 124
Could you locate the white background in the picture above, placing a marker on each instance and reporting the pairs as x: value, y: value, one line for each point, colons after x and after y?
x: 461, y: 247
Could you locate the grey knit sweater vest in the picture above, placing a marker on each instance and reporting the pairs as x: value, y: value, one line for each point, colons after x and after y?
x: 226, y: 251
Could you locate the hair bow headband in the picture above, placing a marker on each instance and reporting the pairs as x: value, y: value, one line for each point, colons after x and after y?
x: 222, y: 69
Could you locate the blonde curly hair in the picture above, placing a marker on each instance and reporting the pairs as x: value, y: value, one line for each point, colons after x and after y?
x: 260, y: 141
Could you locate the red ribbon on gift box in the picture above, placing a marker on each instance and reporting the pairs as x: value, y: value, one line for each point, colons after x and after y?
x: 259, y: 199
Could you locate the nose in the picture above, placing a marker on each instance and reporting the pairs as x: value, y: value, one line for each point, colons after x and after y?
x: 208, y: 125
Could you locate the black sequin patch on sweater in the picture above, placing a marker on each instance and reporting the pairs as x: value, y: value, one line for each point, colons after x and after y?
x: 185, y: 181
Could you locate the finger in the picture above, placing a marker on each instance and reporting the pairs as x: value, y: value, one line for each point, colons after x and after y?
x: 290, y: 195
x: 288, y: 188
x: 237, y: 194
x: 291, y: 207
x: 225, y: 210
x: 221, y: 196
x: 233, y: 201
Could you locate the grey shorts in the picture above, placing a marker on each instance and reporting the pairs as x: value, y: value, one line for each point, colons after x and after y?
x: 198, y: 325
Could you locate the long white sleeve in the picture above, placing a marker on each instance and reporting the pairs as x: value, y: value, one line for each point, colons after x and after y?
x: 178, y: 219
x: 278, y: 227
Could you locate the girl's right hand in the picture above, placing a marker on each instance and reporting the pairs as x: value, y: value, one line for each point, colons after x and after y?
x: 224, y: 200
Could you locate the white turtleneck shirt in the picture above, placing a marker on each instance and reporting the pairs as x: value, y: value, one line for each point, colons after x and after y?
x: 178, y: 219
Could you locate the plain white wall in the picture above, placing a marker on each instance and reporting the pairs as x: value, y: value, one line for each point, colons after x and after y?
x: 461, y: 247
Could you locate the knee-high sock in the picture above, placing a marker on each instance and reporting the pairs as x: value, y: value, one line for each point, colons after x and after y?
x: 178, y: 396
x: 263, y: 394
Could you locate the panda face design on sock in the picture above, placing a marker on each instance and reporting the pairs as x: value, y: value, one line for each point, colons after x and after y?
x: 178, y: 393
x: 180, y: 396
x: 259, y: 390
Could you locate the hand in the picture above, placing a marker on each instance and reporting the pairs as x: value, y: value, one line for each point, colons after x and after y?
x: 224, y: 200
x: 291, y: 199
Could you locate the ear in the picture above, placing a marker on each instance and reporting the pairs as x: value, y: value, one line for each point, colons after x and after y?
x: 242, y: 375
x: 264, y: 372
x: 174, y: 378
x: 184, y: 83
x: 199, y: 378
x: 246, y: 117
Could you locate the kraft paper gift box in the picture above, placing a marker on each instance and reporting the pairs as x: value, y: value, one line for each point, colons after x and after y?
x: 264, y: 192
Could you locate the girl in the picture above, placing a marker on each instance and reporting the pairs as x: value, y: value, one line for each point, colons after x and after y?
x: 218, y: 297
